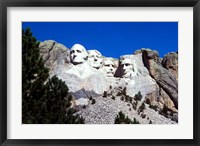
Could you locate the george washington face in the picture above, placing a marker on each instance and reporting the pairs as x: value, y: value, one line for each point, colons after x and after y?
x: 78, y: 54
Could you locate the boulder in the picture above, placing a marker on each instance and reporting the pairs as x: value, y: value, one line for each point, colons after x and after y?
x: 170, y: 62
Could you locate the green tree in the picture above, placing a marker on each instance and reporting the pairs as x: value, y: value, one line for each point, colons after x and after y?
x: 124, y: 91
x: 130, y: 99
x: 141, y: 108
x: 135, y: 121
x: 44, y: 100
x: 138, y: 96
x: 122, y: 119
x: 113, y: 97
x: 93, y: 101
x: 55, y: 102
x: 34, y: 74
x: 105, y: 94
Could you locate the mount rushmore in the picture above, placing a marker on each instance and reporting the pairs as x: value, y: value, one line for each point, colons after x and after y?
x: 89, y: 74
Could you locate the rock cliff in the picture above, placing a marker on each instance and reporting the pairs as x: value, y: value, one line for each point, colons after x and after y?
x: 115, y: 84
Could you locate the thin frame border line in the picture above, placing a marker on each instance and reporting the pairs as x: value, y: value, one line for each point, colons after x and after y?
x: 3, y: 67
x: 101, y: 3
x: 196, y: 62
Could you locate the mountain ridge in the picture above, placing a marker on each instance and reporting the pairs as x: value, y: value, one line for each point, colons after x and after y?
x: 155, y: 78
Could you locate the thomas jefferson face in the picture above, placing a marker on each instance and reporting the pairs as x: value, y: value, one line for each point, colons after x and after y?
x: 109, y: 67
x: 94, y: 58
x: 127, y: 67
x: 78, y: 54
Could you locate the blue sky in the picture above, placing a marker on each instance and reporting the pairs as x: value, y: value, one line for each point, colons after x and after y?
x: 112, y: 39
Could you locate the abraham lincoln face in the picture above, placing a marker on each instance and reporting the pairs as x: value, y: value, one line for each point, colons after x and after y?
x: 127, y: 67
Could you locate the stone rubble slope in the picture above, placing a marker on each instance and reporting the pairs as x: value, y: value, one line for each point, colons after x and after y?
x: 105, y: 110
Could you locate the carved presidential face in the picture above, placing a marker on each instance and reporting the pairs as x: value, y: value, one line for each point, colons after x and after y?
x: 109, y: 67
x: 95, y: 59
x: 127, y: 67
x: 78, y: 54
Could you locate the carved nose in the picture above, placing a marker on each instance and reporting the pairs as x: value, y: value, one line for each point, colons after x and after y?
x: 125, y: 67
x: 95, y: 59
x: 74, y: 56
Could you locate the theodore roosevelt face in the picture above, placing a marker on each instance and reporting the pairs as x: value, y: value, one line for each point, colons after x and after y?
x: 78, y: 54
x: 109, y: 67
x: 94, y: 58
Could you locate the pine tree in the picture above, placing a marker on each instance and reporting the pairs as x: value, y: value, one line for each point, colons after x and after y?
x: 55, y: 102
x: 34, y: 74
x: 138, y: 96
x: 105, y: 94
x: 122, y: 119
x: 44, y: 100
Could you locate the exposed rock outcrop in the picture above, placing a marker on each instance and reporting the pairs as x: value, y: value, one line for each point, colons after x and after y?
x: 164, y: 78
x: 170, y: 62
x: 53, y: 53
x: 143, y: 72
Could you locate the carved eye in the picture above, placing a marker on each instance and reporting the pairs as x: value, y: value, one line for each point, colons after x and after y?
x: 72, y: 52
x: 79, y: 51
x: 127, y: 64
x: 107, y: 65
